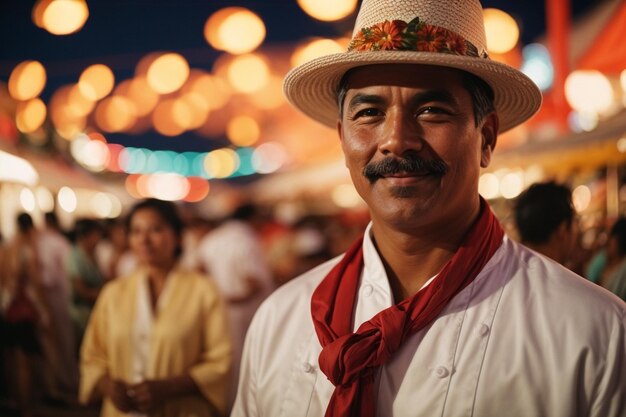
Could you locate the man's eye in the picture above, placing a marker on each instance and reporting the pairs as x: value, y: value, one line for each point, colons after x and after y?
x: 432, y: 110
x: 369, y: 112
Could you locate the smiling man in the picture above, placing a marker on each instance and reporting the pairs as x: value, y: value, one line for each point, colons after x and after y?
x: 434, y: 311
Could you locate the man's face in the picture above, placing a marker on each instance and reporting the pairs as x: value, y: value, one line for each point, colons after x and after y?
x: 412, y: 145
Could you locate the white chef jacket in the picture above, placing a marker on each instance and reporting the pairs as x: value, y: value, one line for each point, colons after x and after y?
x: 526, y: 338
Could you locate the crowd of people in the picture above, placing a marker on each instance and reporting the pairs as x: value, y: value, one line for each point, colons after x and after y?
x: 56, y: 313
x: 230, y: 266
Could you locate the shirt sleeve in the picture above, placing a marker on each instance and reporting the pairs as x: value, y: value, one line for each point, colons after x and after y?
x: 94, y: 356
x: 610, y: 397
x: 212, y: 373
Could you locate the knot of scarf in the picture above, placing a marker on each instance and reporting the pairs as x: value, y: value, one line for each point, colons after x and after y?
x: 350, y: 359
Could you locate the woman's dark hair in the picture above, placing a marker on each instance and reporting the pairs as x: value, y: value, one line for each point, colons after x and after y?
x: 167, y: 211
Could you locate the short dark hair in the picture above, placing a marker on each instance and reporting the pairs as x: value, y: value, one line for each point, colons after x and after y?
x: 84, y: 227
x: 541, y: 209
x: 618, y: 232
x: 24, y: 222
x: 480, y: 92
x: 167, y: 211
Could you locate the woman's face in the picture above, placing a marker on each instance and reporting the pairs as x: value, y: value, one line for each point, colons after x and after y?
x: 151, y: 238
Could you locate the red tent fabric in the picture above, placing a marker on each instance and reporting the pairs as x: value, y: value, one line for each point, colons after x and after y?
x: 608, y: 51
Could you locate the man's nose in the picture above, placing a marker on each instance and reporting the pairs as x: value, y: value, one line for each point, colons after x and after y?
x: 401, y: 134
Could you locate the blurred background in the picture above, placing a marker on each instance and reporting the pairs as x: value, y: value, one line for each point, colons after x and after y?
x: 102, y: 103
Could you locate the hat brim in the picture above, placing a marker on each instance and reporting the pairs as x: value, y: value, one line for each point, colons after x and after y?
x: 312, y: 87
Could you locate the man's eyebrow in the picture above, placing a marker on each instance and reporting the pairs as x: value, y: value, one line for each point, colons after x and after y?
x: 441, y: 96
x: 359, y: 99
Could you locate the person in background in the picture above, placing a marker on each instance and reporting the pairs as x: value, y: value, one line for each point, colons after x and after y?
x: 545, y: 220
x: 83, y: 272
x: 232, y: 256
x: 59, y: 343
x: 113, y: 255
x: 24, y: 313
x: 157, y: 343
x: 434, y: 311
x: 613, y: 275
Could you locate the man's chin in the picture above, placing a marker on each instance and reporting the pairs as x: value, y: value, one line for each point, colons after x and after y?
x: 404, y: 191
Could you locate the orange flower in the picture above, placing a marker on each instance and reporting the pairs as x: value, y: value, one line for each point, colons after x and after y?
x: 388, y: 35
x: 360, y: 43
x: 431, y: 39
x: 456, y: 43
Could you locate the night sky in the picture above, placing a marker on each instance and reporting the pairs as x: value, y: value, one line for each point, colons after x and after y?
x: 119, y: 33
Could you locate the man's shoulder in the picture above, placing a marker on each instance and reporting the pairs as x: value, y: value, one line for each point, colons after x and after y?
x: 557, y: 287
x: 293, y: 299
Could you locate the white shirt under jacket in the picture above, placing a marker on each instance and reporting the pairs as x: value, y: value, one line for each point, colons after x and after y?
x: 527, y: 338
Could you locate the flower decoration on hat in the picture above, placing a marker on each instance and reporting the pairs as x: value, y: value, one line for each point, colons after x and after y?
x: 416, y: 35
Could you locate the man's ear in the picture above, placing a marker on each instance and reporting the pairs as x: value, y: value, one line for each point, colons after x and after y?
x: 339, y: 130
x: 340, y: 134
x: 489, y: 133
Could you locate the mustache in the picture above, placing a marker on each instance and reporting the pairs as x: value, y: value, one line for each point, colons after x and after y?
x: 410, y: 164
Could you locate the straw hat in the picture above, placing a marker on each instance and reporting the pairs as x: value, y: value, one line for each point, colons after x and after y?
x: 447, y: 33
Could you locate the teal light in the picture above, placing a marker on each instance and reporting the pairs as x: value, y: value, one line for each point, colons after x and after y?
x: 165, y: 161
x: 138, y: 160
x: 182, y: 165
x: 197, y: 166
x: 152, y: 163
x: 245, y: 162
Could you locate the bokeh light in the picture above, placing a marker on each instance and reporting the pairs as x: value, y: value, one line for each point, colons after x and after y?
x: 66, y: 198
x: 501, y: 31
x: 537, y: 65
x: 221, y: 163
x: 30, y: 115
x: 170, y: 187
x: 27, y: 200
x: 269, y: 157
x: 214, y: 91
x: 139, y: 92
x: 169, y: 121
x: 235, y: 30
x: 45, y: 199
x: 270, y: 97
x: 581, y: 198
x: 512, y: 185
x: 168, y: 73
x: 328, y: 10
x: 588, y: 91
x: 198, y: 189
x: 315, y: 49
x: 489, y: 186
x: 16, y: 169
x: 243, y: 130
x: 62, y: 17
x: 115, y: 114
x: 248, y: 73
x: 96, y: 82
x: 27, y: 80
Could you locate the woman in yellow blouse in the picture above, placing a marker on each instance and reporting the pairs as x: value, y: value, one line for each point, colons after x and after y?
x: 157, y: 342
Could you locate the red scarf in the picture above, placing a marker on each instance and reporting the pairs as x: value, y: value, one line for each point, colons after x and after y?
x: 350, y: 360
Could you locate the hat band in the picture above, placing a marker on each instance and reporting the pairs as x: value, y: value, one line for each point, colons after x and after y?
x: 416, y: 35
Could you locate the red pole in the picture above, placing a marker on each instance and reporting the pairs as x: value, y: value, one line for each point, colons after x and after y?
x: 558, y: 17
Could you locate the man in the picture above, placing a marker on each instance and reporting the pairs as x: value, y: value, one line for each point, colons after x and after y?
x: 436, y: 311
x: 544, y: 216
